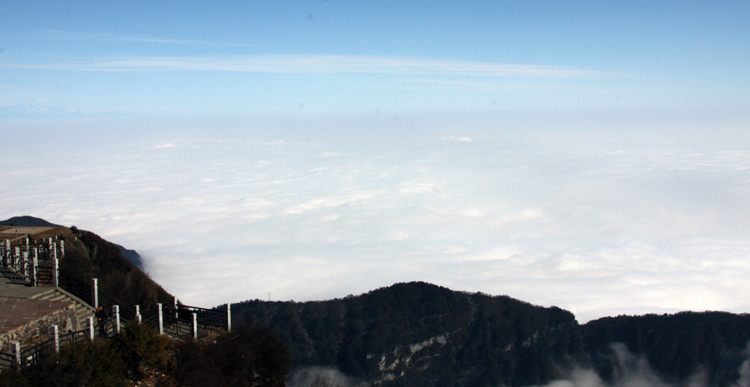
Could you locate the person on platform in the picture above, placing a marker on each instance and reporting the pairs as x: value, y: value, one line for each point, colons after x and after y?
x: 101, y: 319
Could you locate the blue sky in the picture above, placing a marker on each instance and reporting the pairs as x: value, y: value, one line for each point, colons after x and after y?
x: 332, y: 56
x: 589, y: 155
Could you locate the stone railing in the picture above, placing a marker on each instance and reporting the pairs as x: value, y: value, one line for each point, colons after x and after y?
x: 164, y: 323
x: 25, y: 258
x: 38, y: 265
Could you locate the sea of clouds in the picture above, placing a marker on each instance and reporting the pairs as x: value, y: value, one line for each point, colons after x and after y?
x: 598, y: 213
x: 629, y: 370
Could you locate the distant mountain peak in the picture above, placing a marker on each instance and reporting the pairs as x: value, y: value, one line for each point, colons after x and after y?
x: 27, y: 221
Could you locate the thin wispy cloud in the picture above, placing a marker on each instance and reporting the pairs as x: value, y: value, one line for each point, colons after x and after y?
x: 92, y: 37
x: 165, y: 145
x: 318, y: 64
x: 451, y: 138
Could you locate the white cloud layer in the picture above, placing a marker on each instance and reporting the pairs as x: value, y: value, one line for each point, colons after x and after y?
x: 600, y: 215
x: 314, y: 64
x: 629, y: 370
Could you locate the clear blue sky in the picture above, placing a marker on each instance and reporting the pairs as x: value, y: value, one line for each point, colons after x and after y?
x: 333, y: 56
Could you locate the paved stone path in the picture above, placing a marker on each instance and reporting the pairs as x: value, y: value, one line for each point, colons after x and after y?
x: 11, y: 286
x: 15, y: 311
x: 16, y: 305
x: 18, y: 234
x: 5, y: 231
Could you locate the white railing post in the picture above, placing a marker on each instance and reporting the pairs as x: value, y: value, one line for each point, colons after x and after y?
x: 9, y: 255
x: 174, y: 309
x: 62, y: 248
x: 25, y: 264
x: 90, y: 322
x: 95, y: 292
x: 195, y: 325
x: 34, y: 264
x: 161, y: 319
x: 17, y: 259
x: 116, y: 316
x: 56, y: 273
x: 138, y: 317
x: 54, y: 250
x: 229, y: 317
x: 55, y: 337
x: 16, y: 349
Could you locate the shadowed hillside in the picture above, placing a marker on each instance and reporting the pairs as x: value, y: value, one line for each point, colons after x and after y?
x: 418, y: 334
x: 676, y: 346
x: 89, y: 256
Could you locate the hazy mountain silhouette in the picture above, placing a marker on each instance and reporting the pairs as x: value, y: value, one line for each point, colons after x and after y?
x: 27, y: 221
x: 131, y: 256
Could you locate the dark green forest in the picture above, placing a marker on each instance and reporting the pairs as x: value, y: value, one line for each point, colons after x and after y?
x: 676, y: 345
x: 417, y: 334
x: 425, y: 335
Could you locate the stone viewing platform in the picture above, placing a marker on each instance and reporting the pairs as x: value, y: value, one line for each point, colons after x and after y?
x: 11, y: 286
x: 23, y: 312
x: 27, y: 317
x: 43, y: 307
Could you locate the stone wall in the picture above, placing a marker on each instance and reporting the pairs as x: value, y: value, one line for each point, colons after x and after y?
x: 38, y: 330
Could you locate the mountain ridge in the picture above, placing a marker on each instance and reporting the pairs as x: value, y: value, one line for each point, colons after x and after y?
x: 419, y: 334
x: 422, y: 334
x: 27, y: 221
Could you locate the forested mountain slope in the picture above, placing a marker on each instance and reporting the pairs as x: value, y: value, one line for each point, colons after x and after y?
x: 88, y: 256
x: 677, y: 346
x: 417, y: 334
